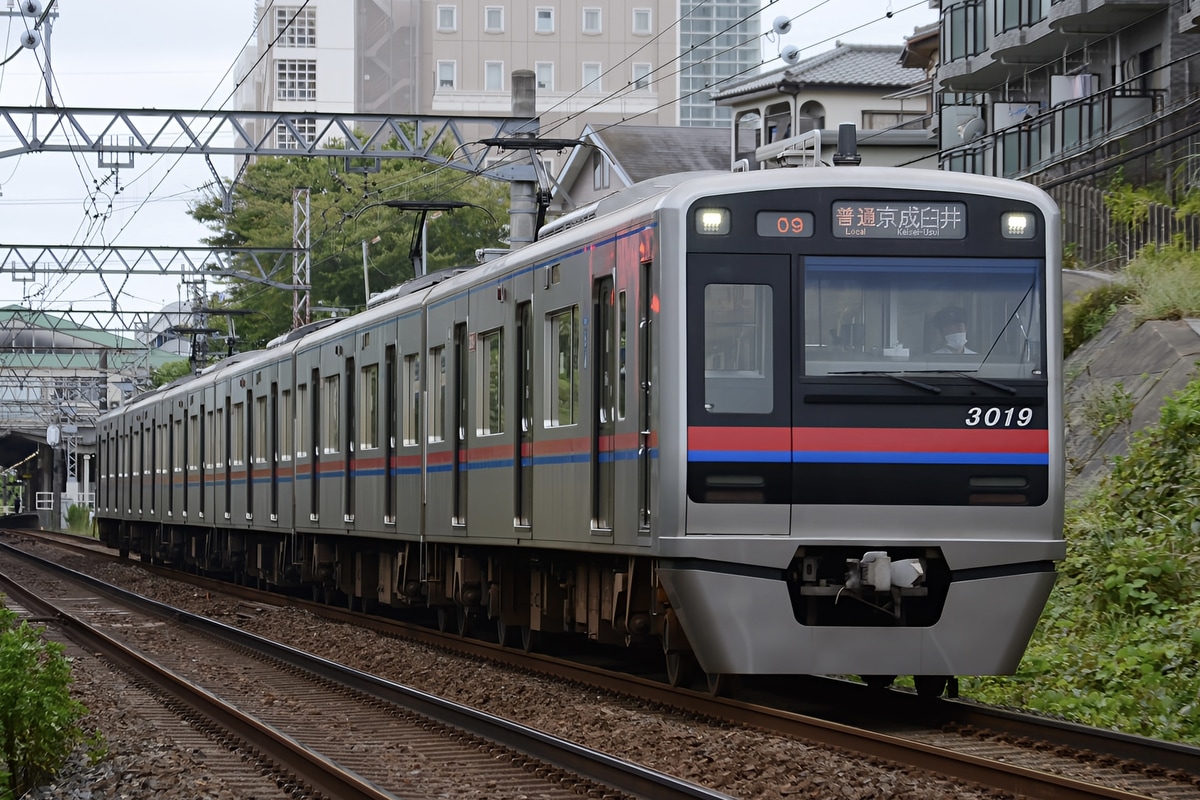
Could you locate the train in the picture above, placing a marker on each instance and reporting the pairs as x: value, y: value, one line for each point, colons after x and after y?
x: 714, y: 412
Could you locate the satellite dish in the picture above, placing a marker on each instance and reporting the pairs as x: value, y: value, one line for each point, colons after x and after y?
x: 972, y: 129
x: 790, y: 53
x: 781, y: 25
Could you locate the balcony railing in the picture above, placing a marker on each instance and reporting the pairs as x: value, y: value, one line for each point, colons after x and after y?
x: 1056, y: 133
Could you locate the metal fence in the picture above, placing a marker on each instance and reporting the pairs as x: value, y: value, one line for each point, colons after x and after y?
x: 1095, y: 241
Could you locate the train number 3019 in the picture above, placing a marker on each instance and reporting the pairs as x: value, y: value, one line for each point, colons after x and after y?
x: 999, y: 417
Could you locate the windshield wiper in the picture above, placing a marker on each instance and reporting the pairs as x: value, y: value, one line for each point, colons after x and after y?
x: 894, y: 376
x: 970, y: 375
x: 1004, y: 387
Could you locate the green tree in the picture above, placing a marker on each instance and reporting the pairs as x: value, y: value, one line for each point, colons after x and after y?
x: 345, y: 211
x: 172, y: 370
x: 38, y: 718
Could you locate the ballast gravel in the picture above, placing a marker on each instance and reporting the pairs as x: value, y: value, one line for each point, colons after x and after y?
x: 141, y: 761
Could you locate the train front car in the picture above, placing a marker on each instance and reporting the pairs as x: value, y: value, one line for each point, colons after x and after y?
x: 870, y: 463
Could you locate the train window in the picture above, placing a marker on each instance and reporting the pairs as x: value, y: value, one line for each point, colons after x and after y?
x: 866, y: 315
x: 368, y: 394
x: 178, y: 442
x: 738, y: 377
x: 412, y: 399
x: 219, y: 440
x: 562, y: 373
x: 260, y: 430
x: 331, y: 389
x: 238, y: 456
x: 286, y: 425
x: 491, y: 379
x: 302, y: 432
x: 437, y: 405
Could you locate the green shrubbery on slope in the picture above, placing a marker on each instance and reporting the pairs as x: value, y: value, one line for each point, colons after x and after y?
x: 1118, y: 645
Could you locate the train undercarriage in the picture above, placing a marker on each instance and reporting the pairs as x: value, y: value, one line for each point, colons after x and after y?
x: 516, y: 595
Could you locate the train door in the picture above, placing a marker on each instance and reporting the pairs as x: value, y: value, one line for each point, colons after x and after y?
x: 523, y: 442
x: 389, y: 433
x: 444, y: 381
x: 490, y: 428
x: 348, y: 441
x: 604, y: 389
x: 271, y: 451
x: 458, y: 465
x: 647, y: 298
x: 739, y: 393
x: 172, y: 467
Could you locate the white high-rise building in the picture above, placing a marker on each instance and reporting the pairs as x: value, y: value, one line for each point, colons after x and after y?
x: 649, y: 62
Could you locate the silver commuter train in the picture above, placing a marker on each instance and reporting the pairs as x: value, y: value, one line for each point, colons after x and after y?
x: 713, y: 410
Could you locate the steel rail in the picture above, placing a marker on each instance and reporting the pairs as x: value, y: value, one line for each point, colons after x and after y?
x: 310, y: 767
x: 601, y: 768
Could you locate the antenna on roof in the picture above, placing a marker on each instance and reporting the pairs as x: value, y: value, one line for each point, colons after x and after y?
x: 847, y: 150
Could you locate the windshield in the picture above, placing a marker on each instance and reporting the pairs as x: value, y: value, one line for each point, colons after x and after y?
x: 897, y: 315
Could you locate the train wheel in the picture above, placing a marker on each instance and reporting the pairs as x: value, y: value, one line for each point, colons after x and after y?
x: 529, y: 638
x: 443, y: 618
x: 929, y: 686
x: 681, y: 668
x: 720, y: 684
x: 878, y: 681
x: 463, y: 621
x: 505, y: 634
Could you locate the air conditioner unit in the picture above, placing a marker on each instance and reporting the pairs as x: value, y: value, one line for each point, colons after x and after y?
x: 959, y: 125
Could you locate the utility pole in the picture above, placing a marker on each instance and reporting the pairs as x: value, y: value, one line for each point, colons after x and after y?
x: 301, y: 258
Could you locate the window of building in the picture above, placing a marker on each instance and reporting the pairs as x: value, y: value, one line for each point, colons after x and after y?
x: 491, y: 381
x: 591, y: 21
x: 295, y: 79
x: 368, y: 398
x: 493, y: 19
x: 295, y: 26
x: 493, y: 76
x: 641, y: 76
x: 601, y: 172
x: 331, y: 399
x: 543, y: 20
x: 642, y: 21
x: 544, y: 72
x: 447, y: 74
x: 305, y: 128
x: 562, y: 373
x: 447, y: 19
x: 591, y: 76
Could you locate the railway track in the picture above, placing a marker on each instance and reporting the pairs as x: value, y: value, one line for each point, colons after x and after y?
x: 319, y: 728
x: 1019, y: 754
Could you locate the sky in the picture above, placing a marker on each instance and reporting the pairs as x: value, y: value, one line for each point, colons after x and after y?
x: 166, y: 54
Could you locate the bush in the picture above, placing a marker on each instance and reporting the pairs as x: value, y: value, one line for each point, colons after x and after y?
x: 38, y: 718
x: 79, y: 519
x: 1118, y: 643
x: 1086, y: 318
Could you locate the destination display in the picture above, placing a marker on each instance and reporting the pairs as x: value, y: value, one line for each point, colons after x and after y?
x: 869, y: 220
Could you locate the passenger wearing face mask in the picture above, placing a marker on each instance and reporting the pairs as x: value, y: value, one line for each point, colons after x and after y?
x: 951, y: 324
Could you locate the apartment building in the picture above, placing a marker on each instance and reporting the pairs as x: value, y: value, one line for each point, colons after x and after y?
x: 652, y: 62
x: 1039, y: 88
